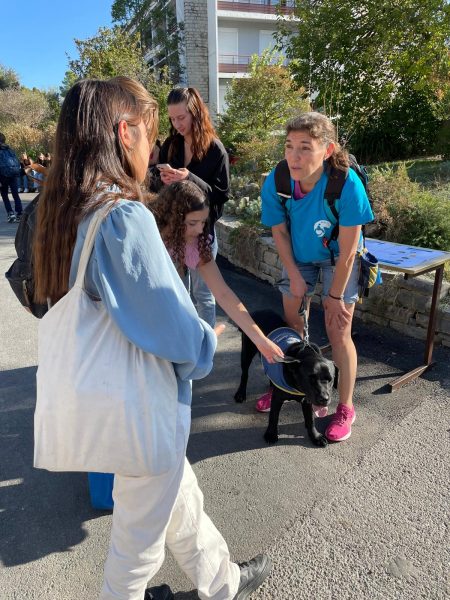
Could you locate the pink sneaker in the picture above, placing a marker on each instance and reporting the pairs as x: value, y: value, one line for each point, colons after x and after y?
x: 320, y: 411
x: 263, y: 403
x: 340, y: 428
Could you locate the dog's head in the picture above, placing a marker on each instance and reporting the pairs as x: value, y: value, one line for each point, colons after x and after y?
x: 308, y: 371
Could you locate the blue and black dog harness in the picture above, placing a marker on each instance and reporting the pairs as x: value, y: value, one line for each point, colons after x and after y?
x: 282, y: 337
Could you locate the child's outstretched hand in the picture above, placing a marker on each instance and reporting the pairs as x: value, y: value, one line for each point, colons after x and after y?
x: 219, y: 329
x: 268, y: 349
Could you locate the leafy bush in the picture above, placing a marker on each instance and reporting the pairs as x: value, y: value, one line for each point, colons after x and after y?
x: 245, y: 201
x: 23, y: 138
x: 410, y: 214
x: 258, y: 156
x: 429, y: 172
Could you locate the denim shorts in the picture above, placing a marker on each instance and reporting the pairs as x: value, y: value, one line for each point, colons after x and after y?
x: 311, y: 272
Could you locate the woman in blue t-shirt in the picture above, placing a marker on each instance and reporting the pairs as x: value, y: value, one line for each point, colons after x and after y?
x: 311, y: 144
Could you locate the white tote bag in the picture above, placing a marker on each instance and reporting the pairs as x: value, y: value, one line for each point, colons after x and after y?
x: 103, y: 404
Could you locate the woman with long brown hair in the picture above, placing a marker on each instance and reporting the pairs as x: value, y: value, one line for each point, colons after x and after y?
x: 194, y: 152
x: 119, y: 347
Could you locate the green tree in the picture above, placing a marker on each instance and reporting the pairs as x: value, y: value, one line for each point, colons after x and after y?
x: 69, y: 79
x: 54, y: 104
x: 123, y: 11
x: 109, y: 53
x: 259, y: 105
x: 158, y: 28
x: 113, y: 52
x: 24, y: 106
x: 8, y: 78
x: 362, y: 62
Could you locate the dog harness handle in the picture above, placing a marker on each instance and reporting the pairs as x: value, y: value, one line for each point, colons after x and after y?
x: 302, y: 313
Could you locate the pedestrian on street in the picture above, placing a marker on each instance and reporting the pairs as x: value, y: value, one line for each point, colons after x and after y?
x: 9, y: 177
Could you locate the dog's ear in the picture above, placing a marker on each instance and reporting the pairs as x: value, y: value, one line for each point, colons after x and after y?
x: 286, y: 359
x: 294, y: 349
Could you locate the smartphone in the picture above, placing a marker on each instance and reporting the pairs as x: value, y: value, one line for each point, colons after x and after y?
x: 163, y: 166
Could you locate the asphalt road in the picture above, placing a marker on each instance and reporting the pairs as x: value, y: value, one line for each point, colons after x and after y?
x: 364, y: 519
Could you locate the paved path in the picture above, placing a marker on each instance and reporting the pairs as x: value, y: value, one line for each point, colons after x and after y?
x: 365, y: 519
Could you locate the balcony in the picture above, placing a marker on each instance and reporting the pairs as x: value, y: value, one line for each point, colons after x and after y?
x: 258, y: 6
x: 233, y: 63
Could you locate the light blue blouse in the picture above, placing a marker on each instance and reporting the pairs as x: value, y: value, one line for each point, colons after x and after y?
x: 132, y: 273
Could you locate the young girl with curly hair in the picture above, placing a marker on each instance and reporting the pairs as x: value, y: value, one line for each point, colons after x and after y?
x: 182, y: 214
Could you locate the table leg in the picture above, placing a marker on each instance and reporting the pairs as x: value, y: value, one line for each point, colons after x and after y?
x: 433, y: 314
x: 411, y: 375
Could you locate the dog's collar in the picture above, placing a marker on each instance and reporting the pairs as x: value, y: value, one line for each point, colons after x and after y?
x: 283, y: 337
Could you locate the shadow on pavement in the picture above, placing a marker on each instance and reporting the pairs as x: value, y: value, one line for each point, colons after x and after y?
x: 32, y: 524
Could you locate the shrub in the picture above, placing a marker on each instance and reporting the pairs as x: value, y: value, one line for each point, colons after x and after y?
x: 245, y: 201
x: 23, y: 138
x: 410, y: 214
x: 260, y: 104
x: 258, y: 156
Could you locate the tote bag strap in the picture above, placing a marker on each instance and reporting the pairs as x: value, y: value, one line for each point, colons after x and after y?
x: 86, y: 251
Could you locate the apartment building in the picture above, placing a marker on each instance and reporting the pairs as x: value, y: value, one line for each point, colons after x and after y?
x: 218, y: 38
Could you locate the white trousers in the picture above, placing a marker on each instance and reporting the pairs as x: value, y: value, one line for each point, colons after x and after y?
x: 150, y: 512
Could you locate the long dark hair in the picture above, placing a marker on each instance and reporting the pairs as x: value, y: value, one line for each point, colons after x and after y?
x: 170, y: 208
x: 89, y: 158
x: 320, y: 128
x: 203, y: 132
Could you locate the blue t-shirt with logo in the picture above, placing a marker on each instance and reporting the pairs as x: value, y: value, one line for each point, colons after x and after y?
x: 310, y: 216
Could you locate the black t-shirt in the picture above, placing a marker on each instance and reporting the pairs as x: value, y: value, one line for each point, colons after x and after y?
x: 211, y: 174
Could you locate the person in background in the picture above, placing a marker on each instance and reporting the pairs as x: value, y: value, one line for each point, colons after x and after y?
x: 25, y: 162
x: 311, y: 145
x: 104, y: 137
x: 194, y: 152
x: 47, y: 160
x: 36, y: 174
x: 9, y: 176
x: 153, y: 172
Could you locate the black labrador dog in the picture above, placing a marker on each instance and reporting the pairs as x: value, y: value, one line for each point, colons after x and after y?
x: 304, y: 369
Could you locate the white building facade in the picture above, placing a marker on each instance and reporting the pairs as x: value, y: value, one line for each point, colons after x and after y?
x: 218, y: 39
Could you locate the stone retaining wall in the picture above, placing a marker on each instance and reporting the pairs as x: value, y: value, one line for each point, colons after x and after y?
x: 402, y: 304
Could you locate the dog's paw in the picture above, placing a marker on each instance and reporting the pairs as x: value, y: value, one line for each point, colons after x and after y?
x: 240, y: 397
x: 271, y: 438
x: 320, y: 440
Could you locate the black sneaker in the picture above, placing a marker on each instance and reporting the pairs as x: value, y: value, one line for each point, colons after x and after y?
x: 253, y: 574
x: 11, y: 218
x: 160, y: 592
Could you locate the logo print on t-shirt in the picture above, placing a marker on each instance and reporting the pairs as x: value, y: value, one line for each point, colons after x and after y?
x: 320, y: 227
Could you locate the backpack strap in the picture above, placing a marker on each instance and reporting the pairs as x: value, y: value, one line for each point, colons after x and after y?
x: 283, y: 187
x: 333, y: 191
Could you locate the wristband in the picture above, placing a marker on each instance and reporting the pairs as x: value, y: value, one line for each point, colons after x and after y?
x: 335, y: 297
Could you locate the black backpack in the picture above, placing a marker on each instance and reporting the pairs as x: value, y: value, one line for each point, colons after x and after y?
x: 20, y: 273
x: 333, y: 191
x: 9, y: 163
x: 369, y: 273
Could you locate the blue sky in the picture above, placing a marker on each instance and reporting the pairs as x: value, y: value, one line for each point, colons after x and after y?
x: 35, y: 36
